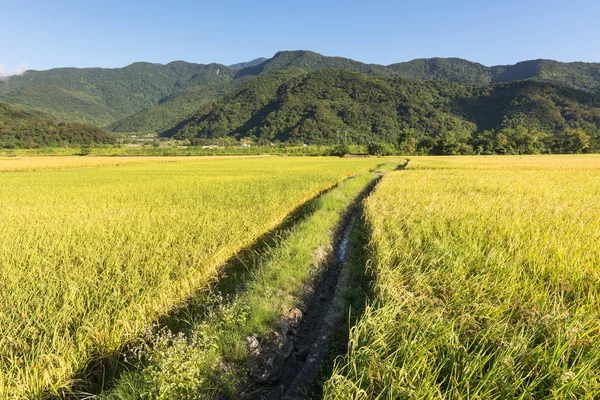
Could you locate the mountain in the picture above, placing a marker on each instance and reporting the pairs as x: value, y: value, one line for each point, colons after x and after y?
x: 446, y: 70
x: 23, y: 129
x: 310, y: 61
x: 103, y: 96
x: 242, y: 65
x: 334, y: 106
x: 578, y: 75
x: 154, y: 97
x: 584, y: 76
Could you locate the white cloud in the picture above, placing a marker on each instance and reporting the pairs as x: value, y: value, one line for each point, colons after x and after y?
x: 21, y: 68
x: 18, y: 71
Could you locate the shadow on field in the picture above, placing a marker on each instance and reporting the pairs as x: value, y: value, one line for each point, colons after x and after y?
x: 103, y: 370
x: 402, y: 167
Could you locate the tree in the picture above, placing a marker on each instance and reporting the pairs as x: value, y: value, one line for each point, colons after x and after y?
x: 407, y: 141
x: 453, y: 143
x: 572, y: 141
x: 86, y: 149
x: 340, y: 150
x: 380, y: 149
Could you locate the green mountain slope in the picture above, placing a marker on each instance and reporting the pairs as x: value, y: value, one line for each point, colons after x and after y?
x: 584, y: 76
x: 171, y: 111
x: 242, y: 65
x: 23, y: 129
x: 578, y: 75
x: 333, y: 106
x: 103, y: 96
x: 310, y: 61
x: 145, y: 96
x: 444, y: 69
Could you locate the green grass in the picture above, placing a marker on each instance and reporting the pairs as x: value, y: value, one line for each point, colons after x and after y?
x: 486, y: 283
x: 89, y: 257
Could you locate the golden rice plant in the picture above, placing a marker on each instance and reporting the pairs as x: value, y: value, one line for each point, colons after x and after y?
x: 487, y: 282
x: 90, y: 256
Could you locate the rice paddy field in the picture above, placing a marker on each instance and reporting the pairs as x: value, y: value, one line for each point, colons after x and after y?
x: 90, y: 256
x: 487, y: 282
x: 39, y: 163
x: 484, y: 273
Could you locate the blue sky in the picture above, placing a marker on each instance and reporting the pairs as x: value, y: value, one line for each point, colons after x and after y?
x: 44, y: 34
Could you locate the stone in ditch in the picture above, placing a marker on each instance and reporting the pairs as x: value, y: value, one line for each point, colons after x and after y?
x: 302, y: 354
x: 252, y: 342
x: 283, y: 343
x: 266, y: 365
x: 293, y: 317
x: 288, y: 345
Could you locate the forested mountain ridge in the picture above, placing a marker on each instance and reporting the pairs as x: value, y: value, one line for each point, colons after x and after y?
x: 245, y: 64
x: 23, y: 129
x: 103, y: 96
x: 155, y: 97
x: 337, y: 106
x: 585, y: 76
x: 172, y: 110
x: 579, y: 75
x: 310, y: 61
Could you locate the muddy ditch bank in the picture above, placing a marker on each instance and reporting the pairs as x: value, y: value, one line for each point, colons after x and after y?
x: 289, y: 366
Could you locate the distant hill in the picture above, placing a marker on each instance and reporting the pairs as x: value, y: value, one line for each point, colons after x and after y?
x: 103, y: 96
x: 310, y: 61
x: 23, y: 129
x: 155, y: 97
x: 242, y: 65
x: 583, y: 76
x: 335, y: 106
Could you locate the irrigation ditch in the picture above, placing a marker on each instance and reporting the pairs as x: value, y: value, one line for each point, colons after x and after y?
x: 312, y: 339
x: 104, y: 370
x: 309, y: 338
x: 320, y: 335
